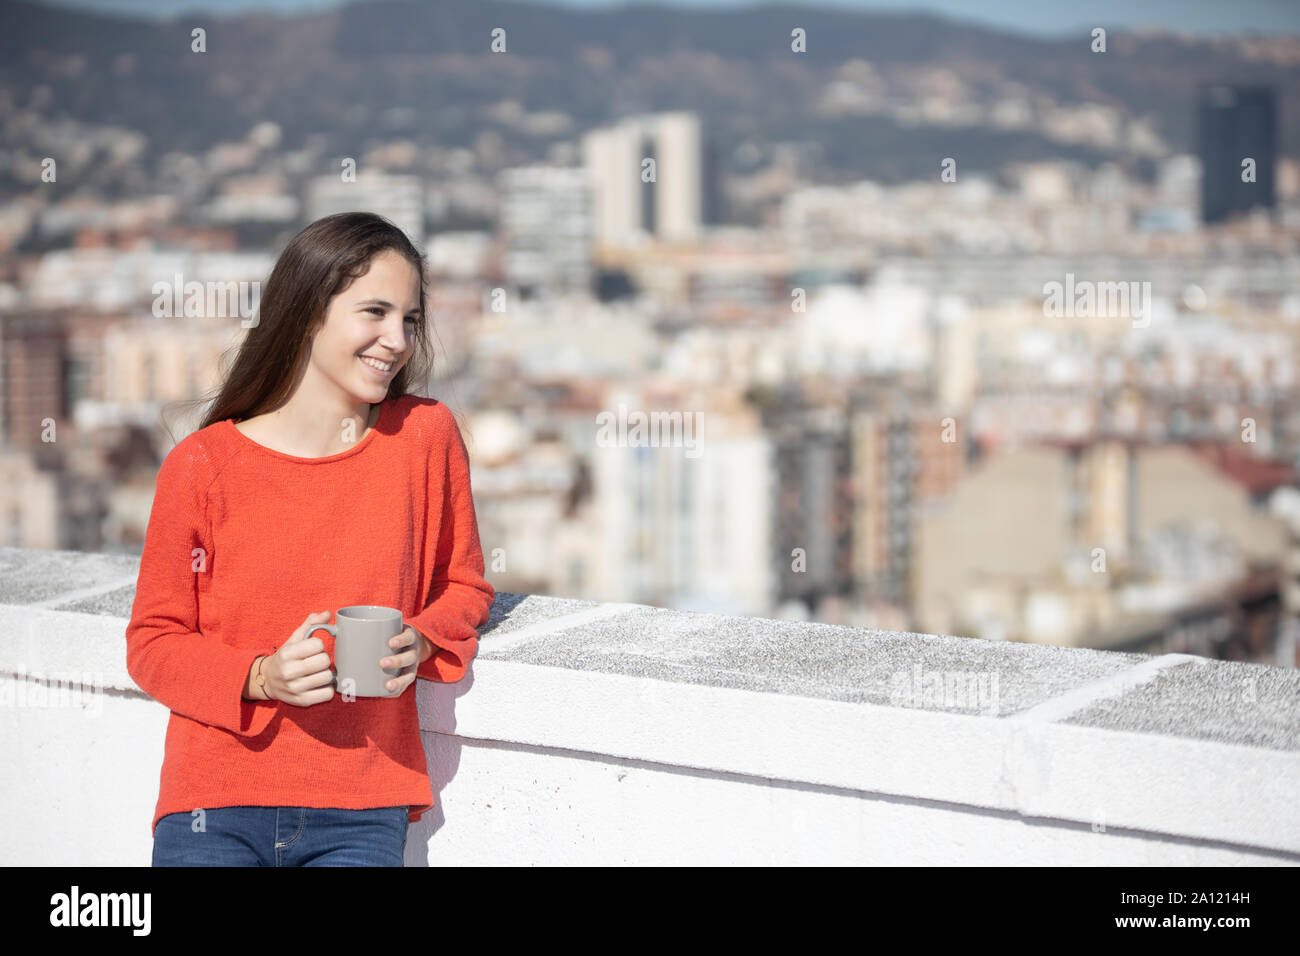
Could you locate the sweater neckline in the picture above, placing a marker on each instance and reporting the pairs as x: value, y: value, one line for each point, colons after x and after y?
x: 355, y: 450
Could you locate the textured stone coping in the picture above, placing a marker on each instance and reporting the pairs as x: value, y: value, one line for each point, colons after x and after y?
x: 1200, y: 750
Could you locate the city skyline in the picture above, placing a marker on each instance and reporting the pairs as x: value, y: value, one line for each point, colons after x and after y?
x: 841, y: 269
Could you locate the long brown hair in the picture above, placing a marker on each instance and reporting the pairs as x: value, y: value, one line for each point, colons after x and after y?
x: 317, y: 264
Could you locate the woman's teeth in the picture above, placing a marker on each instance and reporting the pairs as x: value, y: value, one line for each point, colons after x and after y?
x: 376, y: 364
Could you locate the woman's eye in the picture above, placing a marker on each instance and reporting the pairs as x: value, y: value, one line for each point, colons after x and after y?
x: 378, y: 311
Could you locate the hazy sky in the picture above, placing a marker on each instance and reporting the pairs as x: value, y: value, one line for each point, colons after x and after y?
x: 1034, y: 16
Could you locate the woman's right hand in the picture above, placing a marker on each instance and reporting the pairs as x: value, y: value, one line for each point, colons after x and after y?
x: 299, y: 672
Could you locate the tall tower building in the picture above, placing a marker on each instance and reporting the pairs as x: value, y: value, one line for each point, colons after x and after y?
x: 673, y: 204
x: 1234, y: 124
x: 679, y: 161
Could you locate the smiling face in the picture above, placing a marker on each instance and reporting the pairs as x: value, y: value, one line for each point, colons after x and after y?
x: 368, y: 330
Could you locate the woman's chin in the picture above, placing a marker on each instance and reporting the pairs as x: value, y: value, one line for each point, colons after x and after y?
x: 373, y: 390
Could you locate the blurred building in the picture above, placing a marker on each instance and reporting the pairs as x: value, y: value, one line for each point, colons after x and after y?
x: 398, y: 198
x: 698, y: 530
x: 546, y: 224
x: 57, y: 474
x: 1235, y: 123
x: 906, y: 458
x: 1146, y: 547
x: 1285, y: 503
x: 149, y: 361
x: 32, y: 350
x: 812, y: 504
x: 682, y: 194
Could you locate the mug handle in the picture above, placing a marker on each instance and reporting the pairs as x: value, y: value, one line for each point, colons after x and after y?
x: 334, y: 632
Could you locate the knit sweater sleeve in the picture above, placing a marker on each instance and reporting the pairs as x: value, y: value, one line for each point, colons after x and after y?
x: 192, y: 674
x: 460, y: 599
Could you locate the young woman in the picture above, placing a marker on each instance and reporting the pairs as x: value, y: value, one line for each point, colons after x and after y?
x: 316, y: 481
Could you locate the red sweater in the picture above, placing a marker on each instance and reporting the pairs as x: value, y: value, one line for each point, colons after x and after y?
x: 243, y: 543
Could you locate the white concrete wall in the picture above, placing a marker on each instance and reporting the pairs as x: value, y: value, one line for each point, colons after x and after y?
x: 82, y: 787
x: 1090, y: 759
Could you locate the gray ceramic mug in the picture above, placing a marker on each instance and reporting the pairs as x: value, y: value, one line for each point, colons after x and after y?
x: 361, y: 636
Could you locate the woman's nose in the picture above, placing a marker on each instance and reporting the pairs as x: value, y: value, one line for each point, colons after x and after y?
x: 394, y: 341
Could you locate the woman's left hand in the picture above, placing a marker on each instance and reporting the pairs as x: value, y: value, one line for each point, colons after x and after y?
x: 411, y: 650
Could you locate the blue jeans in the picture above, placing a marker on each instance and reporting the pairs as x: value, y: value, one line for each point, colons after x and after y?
x: 282, y: 836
